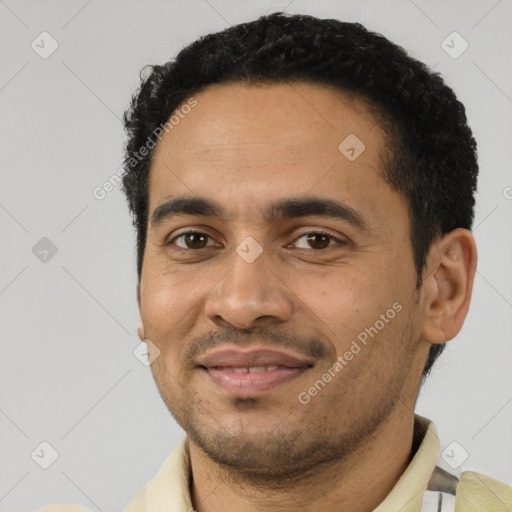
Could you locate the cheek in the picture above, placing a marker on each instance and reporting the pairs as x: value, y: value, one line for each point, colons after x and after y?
x: 167, y: 305
x: 338, y: 294
x: 344, y: 302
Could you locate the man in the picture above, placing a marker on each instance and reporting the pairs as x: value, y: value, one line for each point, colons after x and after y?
x: 303, y: 195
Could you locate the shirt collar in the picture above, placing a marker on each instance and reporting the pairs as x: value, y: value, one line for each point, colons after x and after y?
x: 407, y: 494
x: 170, y: 487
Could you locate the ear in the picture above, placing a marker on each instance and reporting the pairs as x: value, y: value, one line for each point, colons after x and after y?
x: 447, y: 285
x: 140, y: 329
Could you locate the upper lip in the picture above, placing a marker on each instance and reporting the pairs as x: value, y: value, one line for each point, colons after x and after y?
x: 254, y: 357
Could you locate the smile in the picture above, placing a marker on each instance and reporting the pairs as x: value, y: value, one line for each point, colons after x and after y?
x: 251, y: 381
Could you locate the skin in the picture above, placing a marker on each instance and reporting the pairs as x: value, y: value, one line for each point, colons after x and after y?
x: 244, y: 146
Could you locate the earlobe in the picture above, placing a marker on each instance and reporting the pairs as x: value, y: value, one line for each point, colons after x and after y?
x: 140, y: 332
x: 448, y: 284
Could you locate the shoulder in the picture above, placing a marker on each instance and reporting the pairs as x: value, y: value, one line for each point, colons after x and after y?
x: 477, y: 491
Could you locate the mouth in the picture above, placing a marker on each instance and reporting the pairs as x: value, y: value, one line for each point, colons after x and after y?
x: 251, y: 373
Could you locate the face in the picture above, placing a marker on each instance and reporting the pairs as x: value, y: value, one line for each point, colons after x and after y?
x: 298, y: 256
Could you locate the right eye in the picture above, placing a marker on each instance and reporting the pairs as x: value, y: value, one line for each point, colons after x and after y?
x: 192, y: 240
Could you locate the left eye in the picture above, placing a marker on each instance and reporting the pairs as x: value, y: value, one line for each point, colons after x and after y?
x: 318, y: 240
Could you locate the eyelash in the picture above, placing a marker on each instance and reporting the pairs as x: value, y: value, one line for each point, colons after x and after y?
x: 315, y: 232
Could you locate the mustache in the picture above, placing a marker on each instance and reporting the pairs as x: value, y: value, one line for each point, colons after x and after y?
x: 309, y: 346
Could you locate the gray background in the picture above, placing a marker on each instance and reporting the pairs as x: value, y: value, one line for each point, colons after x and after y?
x: 68, y: 375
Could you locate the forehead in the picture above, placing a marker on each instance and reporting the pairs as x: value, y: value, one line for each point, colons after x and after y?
x: 247, y: 143
x: 279, y: 114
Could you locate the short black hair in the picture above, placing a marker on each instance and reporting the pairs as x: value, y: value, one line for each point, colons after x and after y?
x: 432, y: 159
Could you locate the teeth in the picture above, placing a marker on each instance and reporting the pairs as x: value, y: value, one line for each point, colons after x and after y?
x: 245, y: 369
x: 257, y: 369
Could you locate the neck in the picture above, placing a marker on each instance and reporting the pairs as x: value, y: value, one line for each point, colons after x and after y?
x: 359, y: 482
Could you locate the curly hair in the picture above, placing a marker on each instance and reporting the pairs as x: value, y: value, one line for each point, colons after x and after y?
x: 432, y: 159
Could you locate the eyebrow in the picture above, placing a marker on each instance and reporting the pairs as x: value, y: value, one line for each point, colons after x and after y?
x: 294, y: 207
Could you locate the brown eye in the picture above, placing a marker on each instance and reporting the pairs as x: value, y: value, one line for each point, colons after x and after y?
x: 191, y: 240
x: 318, y: 240
x: 195, y: 240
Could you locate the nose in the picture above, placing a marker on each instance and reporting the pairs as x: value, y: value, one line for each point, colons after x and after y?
x: 249, y: 295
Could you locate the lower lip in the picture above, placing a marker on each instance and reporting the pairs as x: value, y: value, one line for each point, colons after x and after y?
x: 252, y: 384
